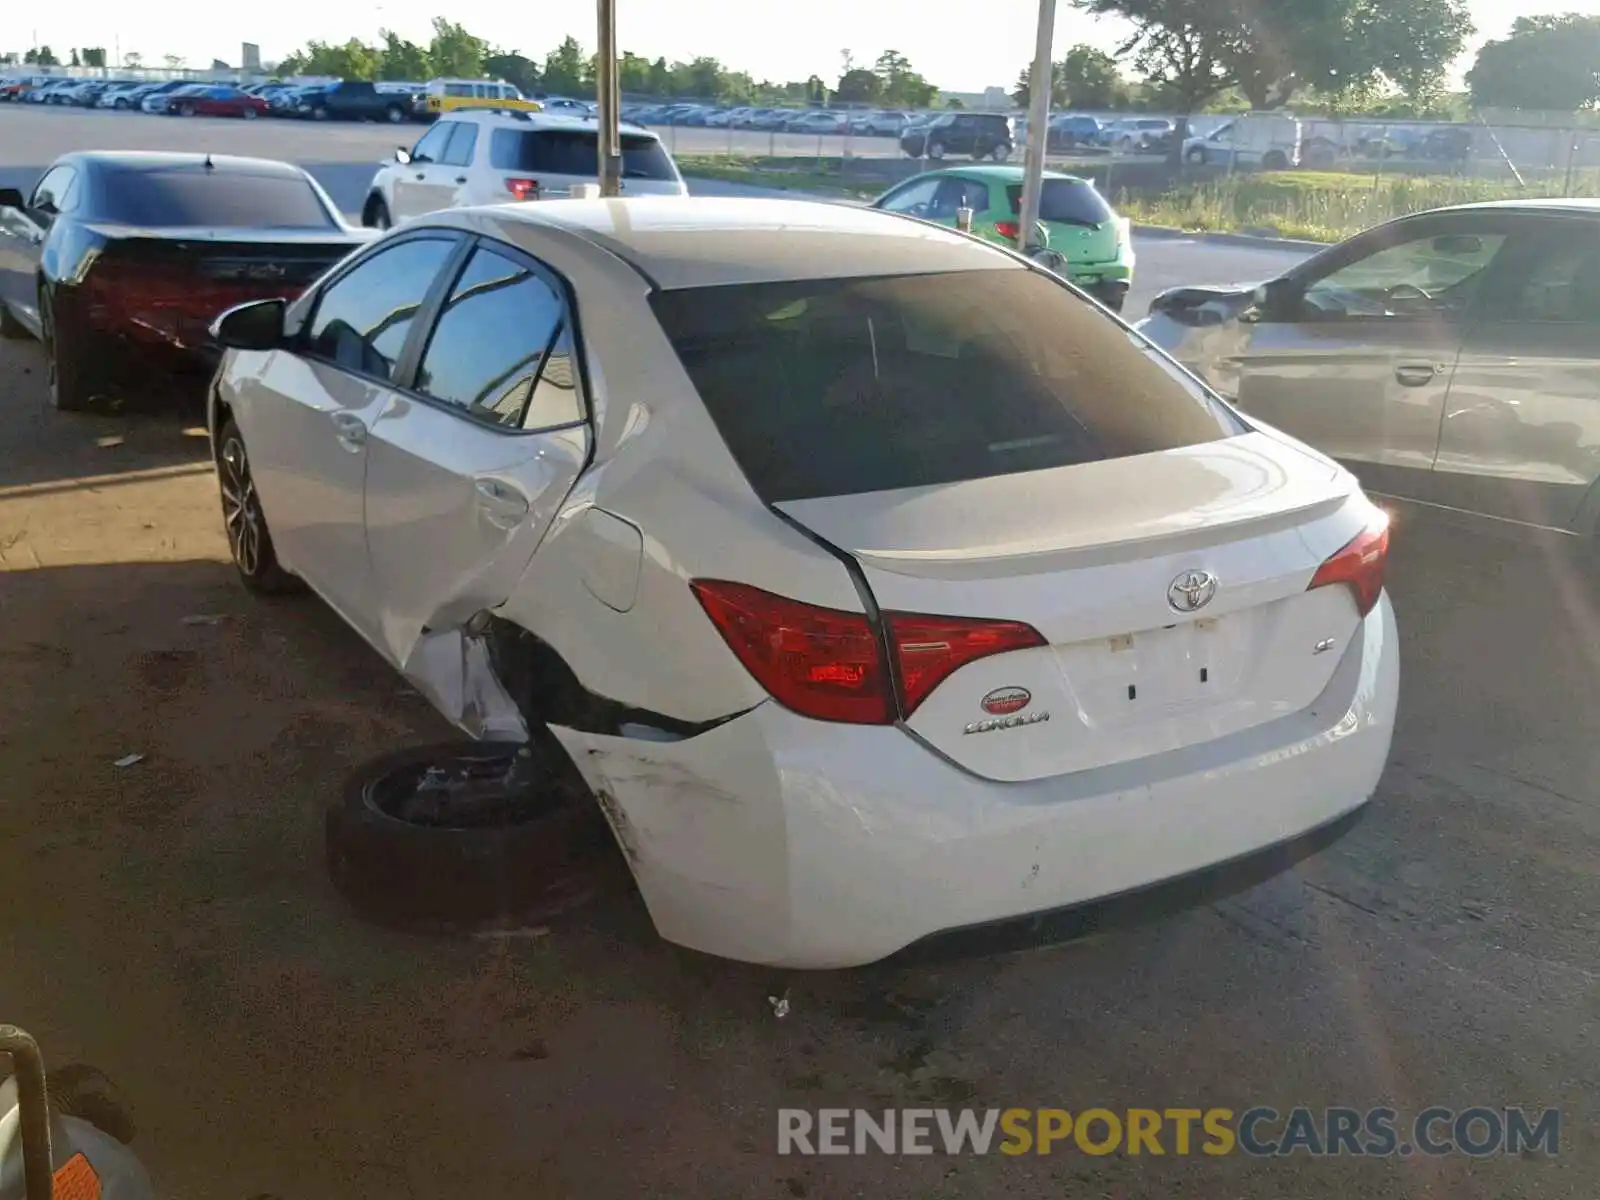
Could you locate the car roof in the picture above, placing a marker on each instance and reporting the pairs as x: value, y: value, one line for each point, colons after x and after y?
x: 705, y: 241
x: 167, y: 160
x: 1000, y: 173
x: 1575, y: 204
x: 532, y: 120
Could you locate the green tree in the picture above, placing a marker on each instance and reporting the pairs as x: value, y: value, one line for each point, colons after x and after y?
x: 454, y: 52
x: 1085, y: 78
x: 520, y: 72
x: 564, y: 69
x: 633, y: 74
x: 94, y: 56
x: 859, y: 86
x: 660, y: 78
x: 1549, y: 62
x: 403, y: 59
x: 133, y: 59
x: 902, y: 86
x: 700, y: 78
x: 75, y: 61
x: 353, y: 60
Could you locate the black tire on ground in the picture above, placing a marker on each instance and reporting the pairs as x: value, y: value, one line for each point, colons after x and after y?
x: 71, y: 363
x: 395, y: 114
x: 1195, y: 155
x: 319, y: 113
x: 1275, y: 160
x: 526, y: 858
x: 244, y: 521
x: 935, y: 149
x: 1001, y: 151
x: 375, y: 215
x: 11, y: 328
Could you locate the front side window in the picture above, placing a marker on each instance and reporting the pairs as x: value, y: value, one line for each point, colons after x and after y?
x: 831, y: 387
x: 51, y: 194
x: 498, y: 334
x: 915, y: 199
x: 458, y: 152
x: 1421, y: 277
x: 362, y: 319
x: 431, y: 146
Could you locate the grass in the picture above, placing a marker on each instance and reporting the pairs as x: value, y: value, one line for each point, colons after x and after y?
x: 1322, y: 206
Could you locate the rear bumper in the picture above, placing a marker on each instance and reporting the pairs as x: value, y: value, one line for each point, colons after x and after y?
x: 795, y: 843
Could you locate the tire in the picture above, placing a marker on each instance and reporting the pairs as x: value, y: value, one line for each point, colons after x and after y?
x: 119, y: 105
x: 1001, y: 152
x: 935, y: 150
x: 520, y: 854
x: 376, y: 213
x: 319, y: 113
x: 1195, y: 156
x: 72, y: 382
x: 10, y: 328
x: 249, y: 114
x: 186, y: 110
x: 244, y: 522
x: 1125, y: 145
x: 395, y: 114
x: 1275, y: 160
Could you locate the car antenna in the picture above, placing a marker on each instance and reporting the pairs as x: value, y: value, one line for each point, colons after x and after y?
x: 210, y: 166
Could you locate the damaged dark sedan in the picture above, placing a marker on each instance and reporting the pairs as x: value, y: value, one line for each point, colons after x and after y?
x: 118, y: 262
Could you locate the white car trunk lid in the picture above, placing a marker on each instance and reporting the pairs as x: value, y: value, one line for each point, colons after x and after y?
x: 1105, y: 561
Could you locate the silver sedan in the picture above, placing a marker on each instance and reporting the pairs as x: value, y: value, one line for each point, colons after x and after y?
x: 1451, y: 357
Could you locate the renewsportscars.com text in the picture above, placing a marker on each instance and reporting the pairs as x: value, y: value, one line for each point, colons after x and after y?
x: 1259, y: 1132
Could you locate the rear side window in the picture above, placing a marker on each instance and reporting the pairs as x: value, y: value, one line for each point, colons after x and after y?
x: 502, y: 330
x: 1068, y: 201
x: 168, y: 199
x: 839, y: 386
x: 575, y: 152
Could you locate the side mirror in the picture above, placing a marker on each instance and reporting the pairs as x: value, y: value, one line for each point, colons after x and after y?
x: 257, y: 325
x: 11, y: 198
x: 402, y: 155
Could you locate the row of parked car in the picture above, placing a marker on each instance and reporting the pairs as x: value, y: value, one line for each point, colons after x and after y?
x: 699, y: 115
x: 347, y: 99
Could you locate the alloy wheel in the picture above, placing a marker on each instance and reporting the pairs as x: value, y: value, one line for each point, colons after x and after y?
x: 241, y: 507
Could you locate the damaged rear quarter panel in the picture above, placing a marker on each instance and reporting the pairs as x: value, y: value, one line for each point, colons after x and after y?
x: 699, y: 823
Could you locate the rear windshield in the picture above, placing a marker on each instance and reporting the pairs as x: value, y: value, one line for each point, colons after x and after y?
x: 839, y: 386
x: 575, y: 152
x: 1069, y: 201
x: 169, y: 199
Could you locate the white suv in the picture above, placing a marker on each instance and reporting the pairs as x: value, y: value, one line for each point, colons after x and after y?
x: 471, y: 158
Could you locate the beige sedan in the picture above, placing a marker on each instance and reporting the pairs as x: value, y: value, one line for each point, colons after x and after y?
x: 1451, y: 357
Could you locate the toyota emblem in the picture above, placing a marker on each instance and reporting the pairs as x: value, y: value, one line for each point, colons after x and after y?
x: 1191, y: 591
x: 1005, y: 700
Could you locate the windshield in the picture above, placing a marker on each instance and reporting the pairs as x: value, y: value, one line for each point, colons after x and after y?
x: 839, y: 386
x: 174, y: 199
x: 576, y: 152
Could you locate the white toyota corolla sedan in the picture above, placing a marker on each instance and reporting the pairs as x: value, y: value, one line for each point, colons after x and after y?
x: 881, y: 585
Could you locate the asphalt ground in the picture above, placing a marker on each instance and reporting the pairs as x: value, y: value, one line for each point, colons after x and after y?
x: 171, y: 922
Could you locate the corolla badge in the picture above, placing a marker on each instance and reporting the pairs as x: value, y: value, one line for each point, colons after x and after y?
x: 1002, y: 702
x: 1191, y: 591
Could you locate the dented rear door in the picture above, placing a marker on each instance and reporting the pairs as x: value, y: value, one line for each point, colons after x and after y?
x: 468, y: 468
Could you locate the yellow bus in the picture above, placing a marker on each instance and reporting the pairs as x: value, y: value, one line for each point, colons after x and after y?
x: 448, y: 95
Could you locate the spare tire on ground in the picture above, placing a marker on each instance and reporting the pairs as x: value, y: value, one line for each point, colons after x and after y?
x: 463, y: 835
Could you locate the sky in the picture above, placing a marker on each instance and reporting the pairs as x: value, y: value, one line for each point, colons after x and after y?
x: 807, y: 38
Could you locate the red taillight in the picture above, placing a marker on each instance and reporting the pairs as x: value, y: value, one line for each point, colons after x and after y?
x: 1008, y: 229
x: 1359, y: 565
x: 523, y: 189
x: 820, y: 662
x: 828, y: 664
x: 929, y: 649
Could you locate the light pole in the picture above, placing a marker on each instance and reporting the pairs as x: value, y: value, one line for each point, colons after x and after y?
x: 1038, y: 126
x: 608, y: 101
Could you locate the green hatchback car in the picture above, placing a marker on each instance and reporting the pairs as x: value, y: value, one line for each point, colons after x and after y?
x: 1083, y: 227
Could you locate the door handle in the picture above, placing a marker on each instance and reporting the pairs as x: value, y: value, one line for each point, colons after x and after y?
x: 503, y: 506
x: 461, y: 178
x: 351, y: 430
x: 1415, y: 374
x: 420, y: 175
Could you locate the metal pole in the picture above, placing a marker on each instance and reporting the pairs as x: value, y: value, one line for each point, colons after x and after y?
x: 1039, y: 82
x: 606, y: 86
